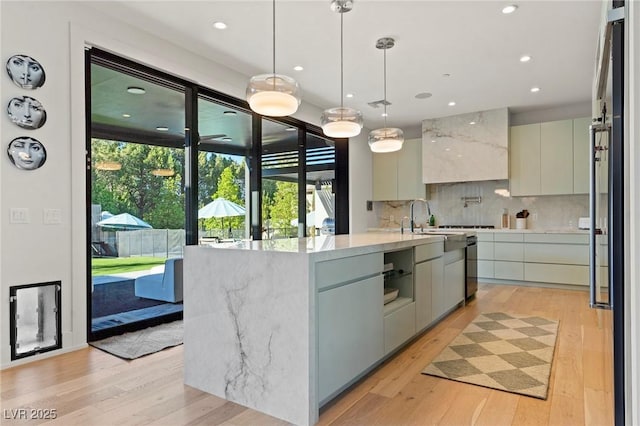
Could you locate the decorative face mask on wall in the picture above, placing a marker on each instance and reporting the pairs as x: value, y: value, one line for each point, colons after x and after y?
x: 26, y: 112
x: 26, y: 153
x: 25, y: 72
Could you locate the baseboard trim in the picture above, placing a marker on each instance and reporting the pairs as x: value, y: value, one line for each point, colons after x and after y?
x: 533, y: 284
x: 43, y: 356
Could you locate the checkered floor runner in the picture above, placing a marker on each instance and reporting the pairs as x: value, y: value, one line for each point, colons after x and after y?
x: 502, y: 351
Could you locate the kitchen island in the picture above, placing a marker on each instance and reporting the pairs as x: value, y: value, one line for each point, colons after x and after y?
x: 283, y: 326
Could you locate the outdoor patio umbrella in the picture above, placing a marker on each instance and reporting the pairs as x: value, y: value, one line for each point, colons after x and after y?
x: 221, y: 208
x: 124, y: 221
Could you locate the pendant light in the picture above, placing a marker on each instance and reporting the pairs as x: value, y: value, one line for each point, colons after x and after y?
x: 341, y: 122
x: 273, y: 95
x: 387, y: 139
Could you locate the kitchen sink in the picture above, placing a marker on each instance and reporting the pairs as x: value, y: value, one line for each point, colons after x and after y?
x: 453, y: 240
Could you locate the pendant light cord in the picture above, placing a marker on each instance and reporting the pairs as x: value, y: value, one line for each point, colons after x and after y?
x: 274, y: 43
x: 341, y: 65
x: 385, y: 88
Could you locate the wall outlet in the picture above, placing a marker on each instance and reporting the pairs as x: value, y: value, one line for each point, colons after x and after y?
x: 19, y: 215
x: 392, y: 218
x: 52, y: 217
x: 369, y: 206
x: 534, y: 216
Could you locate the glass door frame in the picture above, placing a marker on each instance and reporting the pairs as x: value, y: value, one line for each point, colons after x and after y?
x: 192, y: 93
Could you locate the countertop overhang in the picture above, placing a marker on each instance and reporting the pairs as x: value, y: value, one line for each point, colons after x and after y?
x: 326, y: 247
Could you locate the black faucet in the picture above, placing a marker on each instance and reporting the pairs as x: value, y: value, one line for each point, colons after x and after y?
x: 411, y: 219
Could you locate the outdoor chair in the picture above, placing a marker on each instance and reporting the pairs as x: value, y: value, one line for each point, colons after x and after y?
x: 166, y: 286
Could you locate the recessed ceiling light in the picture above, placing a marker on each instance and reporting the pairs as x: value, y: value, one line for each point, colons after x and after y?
x: 447, y: 149
x: 163, y: 172
x: 433, y: 141
x: 509, y: 9
x: 535, y: 89
x: 298, y: 68
x: 162, y: 128
x: 472, y: 122
x: 525, y: 58
x: 136, y: 90
x: 126, y: 115
x: 229, y: 113
x: 349, y: 95
x: 291, y: 129
x: 459, y: 155
x: 451, y: 103
x: 219, y: 25
x: 384, y: 114
x: 423, y: 95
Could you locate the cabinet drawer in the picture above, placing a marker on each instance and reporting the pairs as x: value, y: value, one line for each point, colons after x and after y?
x: 512, y: 237
x: 485, y: 236
x: 559, y: 274
x: 485, y: 269
x: 570, y: 254
x: 347, y: 269
x: 399, y: 327
x: 428, y: 251
x: 557, y: 238
x: 485, y: 250
x: 508, y: 251
x: 509, y: 270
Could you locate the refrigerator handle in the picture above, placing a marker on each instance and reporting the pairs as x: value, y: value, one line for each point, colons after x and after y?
x: 594, y: 266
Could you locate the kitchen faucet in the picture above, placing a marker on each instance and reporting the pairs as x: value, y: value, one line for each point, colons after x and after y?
x: 411, y: 219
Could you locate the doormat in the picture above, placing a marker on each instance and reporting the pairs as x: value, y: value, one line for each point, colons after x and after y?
x: 508, y: 352
x: 143, y: 342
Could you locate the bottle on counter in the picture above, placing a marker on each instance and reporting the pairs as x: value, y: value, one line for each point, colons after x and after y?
x: 432, y: 220
x: 505, y: 220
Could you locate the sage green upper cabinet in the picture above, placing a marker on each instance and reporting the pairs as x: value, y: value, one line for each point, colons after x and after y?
x: 581, y: 152
x: 549, y: 158
x: 556, y: 157
x: 398, y: 175
x: 524, y: 154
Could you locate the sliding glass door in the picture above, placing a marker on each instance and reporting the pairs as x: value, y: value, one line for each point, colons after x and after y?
x: 137, y: 199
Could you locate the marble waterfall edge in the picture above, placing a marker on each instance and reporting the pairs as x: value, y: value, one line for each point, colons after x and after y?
x: 247, y: 330
x: 455, y: 150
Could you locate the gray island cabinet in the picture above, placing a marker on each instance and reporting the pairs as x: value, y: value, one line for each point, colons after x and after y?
x: 283, y: 326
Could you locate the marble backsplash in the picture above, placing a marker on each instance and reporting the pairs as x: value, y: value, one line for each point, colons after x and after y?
x: 546, y: 212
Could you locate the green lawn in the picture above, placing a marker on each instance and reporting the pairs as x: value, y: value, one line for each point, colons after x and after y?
x: 108, y: 266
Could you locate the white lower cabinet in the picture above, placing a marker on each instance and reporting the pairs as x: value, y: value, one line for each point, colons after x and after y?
x: 454, y: 283
x: 449, y: 291
x: 428, y: 275
x: 399, y: 326
x: 350, y: 328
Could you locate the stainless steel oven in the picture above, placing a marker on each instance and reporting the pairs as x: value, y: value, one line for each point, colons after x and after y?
x: 471, y: 267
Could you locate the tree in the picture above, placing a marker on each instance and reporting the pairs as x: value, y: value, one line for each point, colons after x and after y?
x: 285, y: 205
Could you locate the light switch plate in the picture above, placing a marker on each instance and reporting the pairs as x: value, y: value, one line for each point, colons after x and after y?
x: 19, y: 215
x: 52, y: 217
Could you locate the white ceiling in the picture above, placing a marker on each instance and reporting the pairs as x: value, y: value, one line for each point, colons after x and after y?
x: 471, y: 40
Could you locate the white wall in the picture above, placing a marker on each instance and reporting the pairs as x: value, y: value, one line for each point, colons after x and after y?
x: 57, y: 35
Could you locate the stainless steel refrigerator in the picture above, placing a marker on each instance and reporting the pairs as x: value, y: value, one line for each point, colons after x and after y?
x: 607, y: 192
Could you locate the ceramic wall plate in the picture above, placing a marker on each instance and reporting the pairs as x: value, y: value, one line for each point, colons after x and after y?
x: 26, y: 112
x: 25, y: 72
x: 27, y: 153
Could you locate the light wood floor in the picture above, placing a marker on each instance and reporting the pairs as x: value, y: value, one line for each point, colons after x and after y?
x: 90, y: 387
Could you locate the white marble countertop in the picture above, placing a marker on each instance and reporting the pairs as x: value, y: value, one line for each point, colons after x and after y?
x: 326, y: 247
x: 484, y: 230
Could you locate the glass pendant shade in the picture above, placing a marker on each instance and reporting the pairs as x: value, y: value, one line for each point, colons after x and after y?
x: 273, y: 95
x: 341, y: 122
x: 387, y: 139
